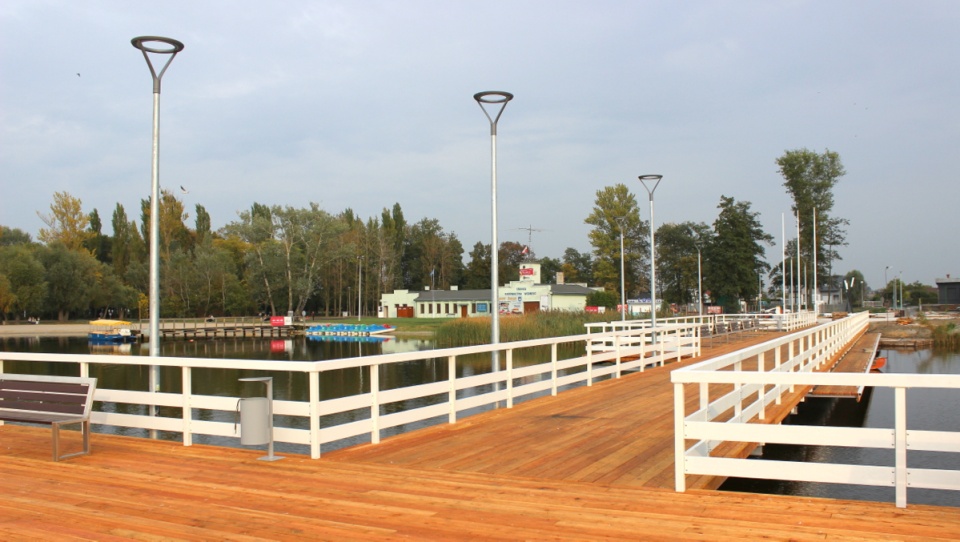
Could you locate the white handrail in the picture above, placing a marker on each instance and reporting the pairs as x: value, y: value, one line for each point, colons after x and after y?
x: 775, y: 374
x: 364, y: 413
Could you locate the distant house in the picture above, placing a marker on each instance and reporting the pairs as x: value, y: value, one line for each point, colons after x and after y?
x: 517, y: 297
x: 948, y: 291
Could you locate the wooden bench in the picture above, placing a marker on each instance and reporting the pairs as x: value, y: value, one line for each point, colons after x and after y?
x: 49, y: 400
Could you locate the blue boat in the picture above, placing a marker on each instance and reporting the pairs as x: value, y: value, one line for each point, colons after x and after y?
x: 359, y: 330
x: 112, y: 332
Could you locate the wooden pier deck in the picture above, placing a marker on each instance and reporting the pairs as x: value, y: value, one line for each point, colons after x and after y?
x: 858, y: 359
x: 595, y: 463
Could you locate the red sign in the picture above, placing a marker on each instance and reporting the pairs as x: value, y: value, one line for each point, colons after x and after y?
x: 716, y: 309
x: 591, y: 309
x: 276, y: 321
x: 526, y: 271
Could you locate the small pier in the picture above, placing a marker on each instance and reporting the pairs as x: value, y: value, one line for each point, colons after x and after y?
x: 858, y: 359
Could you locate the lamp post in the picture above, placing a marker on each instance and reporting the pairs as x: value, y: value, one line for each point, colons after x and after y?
x: 163, y: 47
x: 623, y: 290
x: 359, y: 287
x: 653, y: 181
x: 885, y: 286
x: 498, y: 100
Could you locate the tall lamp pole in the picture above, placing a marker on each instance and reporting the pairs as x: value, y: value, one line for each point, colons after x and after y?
x: 885, y: 286
x: 623, y: 282
x: 164, y: 47
x: 650, y: 182
x: 498, y: 102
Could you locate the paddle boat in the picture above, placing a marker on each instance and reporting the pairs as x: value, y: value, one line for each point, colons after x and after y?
x: 362, y: 330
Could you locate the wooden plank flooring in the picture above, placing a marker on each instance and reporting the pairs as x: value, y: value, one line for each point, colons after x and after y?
x: 858, y: 359
x: 570, y: 468
x: 617, y: 432
x: 133, y: 488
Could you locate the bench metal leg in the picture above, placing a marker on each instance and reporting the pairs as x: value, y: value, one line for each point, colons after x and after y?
x: 84, y: 429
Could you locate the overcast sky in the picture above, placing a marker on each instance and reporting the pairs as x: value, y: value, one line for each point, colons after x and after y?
x: 364, y: 104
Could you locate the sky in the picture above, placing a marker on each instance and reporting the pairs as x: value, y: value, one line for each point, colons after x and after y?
x: 361, y: 105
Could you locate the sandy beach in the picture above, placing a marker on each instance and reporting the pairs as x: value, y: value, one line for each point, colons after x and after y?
x: 43, y: 330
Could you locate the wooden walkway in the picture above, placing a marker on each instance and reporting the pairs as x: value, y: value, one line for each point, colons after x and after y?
x: 591, y: 464
x: 859, y: 359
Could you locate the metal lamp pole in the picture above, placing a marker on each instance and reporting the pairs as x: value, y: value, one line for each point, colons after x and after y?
x: 886, y: 285
x: 159, y: 46
x: 654, y: 180
x: 623, y: 282
x: 499, y: 100
x: 359, y: 287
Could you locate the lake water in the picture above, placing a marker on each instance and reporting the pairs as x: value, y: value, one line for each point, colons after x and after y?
x: 926, y: 409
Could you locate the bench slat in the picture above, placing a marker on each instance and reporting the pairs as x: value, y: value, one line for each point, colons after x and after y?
x: 45, y: 406
x: 56, y: 387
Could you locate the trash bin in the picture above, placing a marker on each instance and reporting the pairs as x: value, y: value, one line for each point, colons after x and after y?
x: 256, y: 418
x: 254, y: 421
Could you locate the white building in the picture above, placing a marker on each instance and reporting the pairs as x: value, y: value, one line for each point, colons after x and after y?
x: 517, y: 297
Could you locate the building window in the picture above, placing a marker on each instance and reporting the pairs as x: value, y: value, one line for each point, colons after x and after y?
x: 473, y: 308
x: 446, y: 308
x: 431, y: 307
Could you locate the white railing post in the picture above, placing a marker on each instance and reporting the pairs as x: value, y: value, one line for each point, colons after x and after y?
x: 679, y: 438
x: 452, y: 389
x: 187, y: 405
x: 900, y: 438
x: 314, y: 409
x: 762, y: 387
x: 510, y: 378
x: 553, y: 369
x: 616, y: 347
x: 374, y: 403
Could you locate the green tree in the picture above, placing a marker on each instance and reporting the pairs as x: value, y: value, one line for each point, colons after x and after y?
x: 27, y: 288
x: 810, y: 178
x: 477, y: 274
x: 615, y: 210
x: 13, y: 236
x: 577, y: 267
x: 73, y: 279
x: 548, y: 269
x: 123, y: 242
x: 735, y: 255
x: 677, y: 260
x: 98, y: 243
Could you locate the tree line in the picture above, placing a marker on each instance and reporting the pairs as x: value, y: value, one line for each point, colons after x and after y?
x: 279, y: 259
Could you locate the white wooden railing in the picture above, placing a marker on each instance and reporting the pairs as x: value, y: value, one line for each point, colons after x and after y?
x: 768, y: 322
x: 728, y: 417
x: 368, y: 414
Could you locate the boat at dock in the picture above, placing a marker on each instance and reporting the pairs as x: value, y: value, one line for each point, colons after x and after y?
x: 360, y: 330
x: 112, y: 332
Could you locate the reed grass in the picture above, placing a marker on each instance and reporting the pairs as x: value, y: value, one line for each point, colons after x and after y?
x: 535, y: 325
x: 946, y: 335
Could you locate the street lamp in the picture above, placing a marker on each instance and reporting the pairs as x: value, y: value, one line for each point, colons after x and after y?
x: 159, y: 46
x: 623, y: 290
x: 167, y: 46
x: 696, y: 244
x: 498, y: 100
x: 359, y: 287
x: 653, y: 181
x: 885, y: 286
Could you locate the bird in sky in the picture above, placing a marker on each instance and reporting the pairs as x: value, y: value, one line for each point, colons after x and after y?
x: 184, y: 190
x: 78, y: 75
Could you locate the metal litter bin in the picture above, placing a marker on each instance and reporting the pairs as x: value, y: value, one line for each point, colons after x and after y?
x: 256, y: 418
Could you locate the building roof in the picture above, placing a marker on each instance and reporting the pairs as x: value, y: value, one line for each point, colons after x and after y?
x: 570, y: 289
x: 431, y: 296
